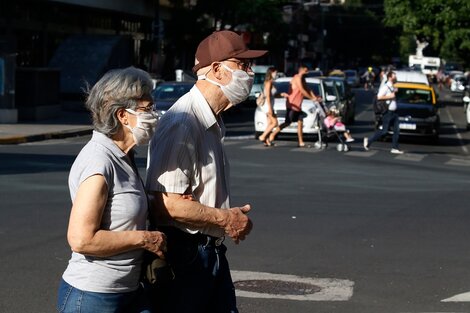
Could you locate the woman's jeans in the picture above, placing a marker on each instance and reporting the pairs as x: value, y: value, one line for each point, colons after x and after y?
x: 73, y: 300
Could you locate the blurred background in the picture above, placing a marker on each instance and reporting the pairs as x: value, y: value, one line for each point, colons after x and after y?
x: 51, y: 49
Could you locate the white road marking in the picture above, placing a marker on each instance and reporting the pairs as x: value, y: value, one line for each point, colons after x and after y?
x: 459, y: 137
x: 411, y: 157
x: 463, y: 297
x: 458, y: 162
x: 363, y: 154
x: 331, y: 289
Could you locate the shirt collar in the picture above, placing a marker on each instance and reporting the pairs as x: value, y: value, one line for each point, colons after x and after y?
x: 203, y: 110
x: 108, y: 143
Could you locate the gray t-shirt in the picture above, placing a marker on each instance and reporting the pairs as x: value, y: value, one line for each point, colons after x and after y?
x: 126, y: 209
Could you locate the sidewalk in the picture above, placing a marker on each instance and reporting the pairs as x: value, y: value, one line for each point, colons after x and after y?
x: 69, y: 123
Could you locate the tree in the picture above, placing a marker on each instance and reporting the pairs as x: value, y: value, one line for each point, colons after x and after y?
x: 443, y: 23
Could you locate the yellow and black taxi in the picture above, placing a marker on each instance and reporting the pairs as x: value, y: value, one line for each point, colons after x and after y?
x: 418, y: 110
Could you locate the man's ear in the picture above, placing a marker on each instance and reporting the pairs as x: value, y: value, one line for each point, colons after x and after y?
x: 216, y: 70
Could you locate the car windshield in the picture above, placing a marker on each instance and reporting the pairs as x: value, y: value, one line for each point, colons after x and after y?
x: 284, y: 87
x: 170, y: 92
x: 410, y: 95
x: 340, y: 87
x: 330, y: 89
x: 350, y: 73
x: 259, y: 78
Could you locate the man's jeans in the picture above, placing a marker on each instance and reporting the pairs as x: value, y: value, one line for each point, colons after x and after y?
x: 388, y: 118
x: 202, y: 283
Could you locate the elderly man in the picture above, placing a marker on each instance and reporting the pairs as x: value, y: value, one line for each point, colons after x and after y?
x: 188, y: 179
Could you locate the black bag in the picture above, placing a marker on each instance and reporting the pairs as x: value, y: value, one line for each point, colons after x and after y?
x: 156, y: 271
x: 380, y: 106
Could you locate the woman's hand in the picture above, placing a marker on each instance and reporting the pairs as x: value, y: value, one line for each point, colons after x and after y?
x: 155, y: 241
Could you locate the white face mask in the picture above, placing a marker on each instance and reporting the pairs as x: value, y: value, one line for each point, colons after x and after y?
x: 145, y: 127
x: 239, y: 87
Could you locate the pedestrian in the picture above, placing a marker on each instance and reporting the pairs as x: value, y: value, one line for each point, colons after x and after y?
x: 297, y: 91
x: 368, y: 77
x: 187, y: 159
x: 387, y: 93
x: 107, y: 226
x: 269, y: 91
x: 333, y: 121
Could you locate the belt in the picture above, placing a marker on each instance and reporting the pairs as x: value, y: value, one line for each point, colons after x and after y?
x: 176, y: 234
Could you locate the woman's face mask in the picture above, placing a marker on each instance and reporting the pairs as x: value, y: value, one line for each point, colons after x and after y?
x: 145, y: 126
x: 238, y: 89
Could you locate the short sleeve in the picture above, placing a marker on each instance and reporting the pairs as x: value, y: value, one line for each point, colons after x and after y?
x: 171, y: 163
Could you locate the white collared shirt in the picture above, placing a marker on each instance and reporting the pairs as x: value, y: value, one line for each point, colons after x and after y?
x: 186, y: 156
x: 385, y: 90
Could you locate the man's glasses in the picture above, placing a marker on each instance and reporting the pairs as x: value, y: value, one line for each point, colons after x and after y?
x: 243, y: 65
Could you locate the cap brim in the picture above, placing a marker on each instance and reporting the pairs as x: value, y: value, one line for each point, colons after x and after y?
x: 248, y: 54
x: 251, y: 54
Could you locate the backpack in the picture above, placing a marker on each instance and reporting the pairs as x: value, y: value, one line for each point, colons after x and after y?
x: 380, y: 106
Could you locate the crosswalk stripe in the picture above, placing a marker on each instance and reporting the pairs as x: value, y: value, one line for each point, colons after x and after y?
x: 458, y: 162
x: 362, y: 154
x: 411, y: 157
x: 463, y: 297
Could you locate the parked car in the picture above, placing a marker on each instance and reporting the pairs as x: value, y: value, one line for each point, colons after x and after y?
x: 404, y: 76
x: 352, y: 78
x: 167, y: 93
x: 320, y: 86
x: 458, y: 82
x: 418, y: 110
x: 347, y: 99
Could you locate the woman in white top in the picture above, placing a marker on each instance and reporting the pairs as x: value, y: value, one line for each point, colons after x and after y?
x: 108, y: 220
x: 268, y: 106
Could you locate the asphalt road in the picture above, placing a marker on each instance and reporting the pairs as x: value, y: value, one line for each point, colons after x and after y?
x: 374, y: 232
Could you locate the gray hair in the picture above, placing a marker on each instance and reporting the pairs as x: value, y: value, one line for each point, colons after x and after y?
x: 117, y: 89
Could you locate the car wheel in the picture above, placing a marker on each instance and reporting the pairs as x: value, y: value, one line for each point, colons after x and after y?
x: 257, y: 134
x: 468, y: 126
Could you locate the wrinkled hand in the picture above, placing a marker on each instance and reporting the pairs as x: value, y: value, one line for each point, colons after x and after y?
x: 155, y: 241
x: 238, y: 224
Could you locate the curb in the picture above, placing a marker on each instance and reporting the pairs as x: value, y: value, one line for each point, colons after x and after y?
x: 46, y: 136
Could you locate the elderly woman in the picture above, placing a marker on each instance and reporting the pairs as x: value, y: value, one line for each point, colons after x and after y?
x: 107, y: 227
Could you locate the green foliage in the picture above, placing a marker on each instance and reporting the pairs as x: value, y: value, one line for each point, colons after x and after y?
x: 443, y: 23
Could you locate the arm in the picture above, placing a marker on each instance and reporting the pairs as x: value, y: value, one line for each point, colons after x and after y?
x: 233, y: 221
x: 267, y: 93
x: 85, y: 236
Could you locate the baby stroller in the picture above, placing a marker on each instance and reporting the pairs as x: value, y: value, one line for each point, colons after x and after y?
x: 328, y: 129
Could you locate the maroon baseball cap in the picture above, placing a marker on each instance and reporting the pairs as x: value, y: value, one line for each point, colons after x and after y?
x: 223, y: 45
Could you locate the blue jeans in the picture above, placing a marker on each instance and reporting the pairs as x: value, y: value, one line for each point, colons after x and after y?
x: 388, y: 118
x: 73, y: 300
x: 202, y: 282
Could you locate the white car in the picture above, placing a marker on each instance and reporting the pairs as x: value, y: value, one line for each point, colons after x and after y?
x: 409, y: 77
x: 311, y: 110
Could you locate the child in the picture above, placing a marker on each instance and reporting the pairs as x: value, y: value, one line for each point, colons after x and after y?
x: 333, y: 119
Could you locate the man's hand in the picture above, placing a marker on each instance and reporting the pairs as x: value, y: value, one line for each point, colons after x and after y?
x: 238, y: 225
